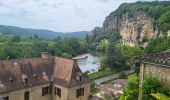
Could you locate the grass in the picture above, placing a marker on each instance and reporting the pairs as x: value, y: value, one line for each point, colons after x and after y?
x: 101, y: 73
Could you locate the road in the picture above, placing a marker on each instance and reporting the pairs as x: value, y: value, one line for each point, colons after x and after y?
x: 111, y: 77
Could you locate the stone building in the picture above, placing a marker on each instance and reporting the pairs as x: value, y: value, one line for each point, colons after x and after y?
x: 44, y: 78
x: 157, y: 65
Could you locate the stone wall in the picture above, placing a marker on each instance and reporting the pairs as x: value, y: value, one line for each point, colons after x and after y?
x: 161, y: 72
x: 36, y: 93
x: 72, y: 92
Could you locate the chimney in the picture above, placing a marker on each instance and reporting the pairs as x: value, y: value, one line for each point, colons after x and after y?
x: 44, y: 55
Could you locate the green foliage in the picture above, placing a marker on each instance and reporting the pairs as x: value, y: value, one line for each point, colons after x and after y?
x: 112, y: 59
x: 93, y: 88
x: 101, y: 73
x: 131, y: 89
x: 108, y: 96
x: 152, y: 85
x: 15, y: 47
x: 15, y: 39
x: 36, y: 36
x: 158, y: 45
x: 160, y: 96
x: 160, y: 11
x: 102, y: 46
x: 4, y: 38
x: 128, y: 52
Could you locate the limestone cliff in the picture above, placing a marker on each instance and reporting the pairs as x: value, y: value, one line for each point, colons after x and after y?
x: 136, y: 28
x: 137, y: 23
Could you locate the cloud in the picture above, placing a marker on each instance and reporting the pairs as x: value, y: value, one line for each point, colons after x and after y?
x: 57, y: 15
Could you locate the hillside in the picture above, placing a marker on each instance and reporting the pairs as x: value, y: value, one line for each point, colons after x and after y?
x: 137, y: 23
x: 26, y: 32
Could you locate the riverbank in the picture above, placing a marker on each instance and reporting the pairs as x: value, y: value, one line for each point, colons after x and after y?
x: 101, y: 73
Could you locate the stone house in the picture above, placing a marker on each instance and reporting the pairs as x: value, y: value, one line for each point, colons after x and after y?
x: 157, y: 65
x: 44, y: 78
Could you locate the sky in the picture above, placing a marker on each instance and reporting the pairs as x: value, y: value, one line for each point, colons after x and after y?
x: 57, y: 15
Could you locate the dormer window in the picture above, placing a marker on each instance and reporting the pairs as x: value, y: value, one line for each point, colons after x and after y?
x: 15, y: 63
x: 44, y: 73
x: 34, y: 75
x: 10, y: 79
x: 26, y: 81
x: 79, y: 77
x: 25, y: 78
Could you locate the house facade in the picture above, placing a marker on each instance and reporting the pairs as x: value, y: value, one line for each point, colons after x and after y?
x: 157, y: 65
x: 44, y: 78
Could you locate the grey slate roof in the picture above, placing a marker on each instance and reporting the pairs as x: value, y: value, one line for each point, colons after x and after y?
x: 158, y: 58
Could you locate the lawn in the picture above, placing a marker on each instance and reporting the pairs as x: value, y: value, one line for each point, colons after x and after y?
x: 101, y: 73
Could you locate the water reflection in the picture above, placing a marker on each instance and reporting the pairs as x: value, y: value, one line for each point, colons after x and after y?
x: 88, y: 62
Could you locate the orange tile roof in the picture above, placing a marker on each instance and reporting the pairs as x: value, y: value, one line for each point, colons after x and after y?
x: 38, y: 71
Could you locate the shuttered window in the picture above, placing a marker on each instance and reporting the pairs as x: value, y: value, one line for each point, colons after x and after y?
x: 57, y: 91
x: 46, y: 90
x: 26, y: 95
x: 5, y: 98
x: 80, y: 92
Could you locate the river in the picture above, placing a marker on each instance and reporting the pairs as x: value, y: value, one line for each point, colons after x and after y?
x: 88, y: 62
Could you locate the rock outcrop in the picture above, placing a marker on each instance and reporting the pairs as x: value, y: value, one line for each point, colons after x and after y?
x: 136, y: 29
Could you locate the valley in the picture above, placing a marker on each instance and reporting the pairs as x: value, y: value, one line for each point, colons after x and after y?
x: 127, y: 58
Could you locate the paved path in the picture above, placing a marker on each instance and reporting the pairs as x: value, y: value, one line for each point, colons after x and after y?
x: 111, y: 77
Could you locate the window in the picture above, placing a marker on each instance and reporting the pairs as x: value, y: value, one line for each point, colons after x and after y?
x: 26, y: 95
x: 11, y: 80
x: 46, y: 90
x: 5, y: 98
x: 26, y: 81
x: 57, y: 91
x: 15, y: 63
x: 44, y: 73
x: 34, y: 75
x: 81, y: 78
x: 80, y: 92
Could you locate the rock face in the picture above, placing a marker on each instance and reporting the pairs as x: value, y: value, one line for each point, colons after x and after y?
x: 136, y: 28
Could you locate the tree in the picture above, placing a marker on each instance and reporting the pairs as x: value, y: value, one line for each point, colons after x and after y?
x: 152, y: 85
x: 112, y: 59
x: 87, y: 40
x: 131, y: 90
x: 15, y: 38
x: 36, y: 36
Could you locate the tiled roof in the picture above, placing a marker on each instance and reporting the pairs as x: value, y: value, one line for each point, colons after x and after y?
x: 159, y: 58
x: 15, y: 73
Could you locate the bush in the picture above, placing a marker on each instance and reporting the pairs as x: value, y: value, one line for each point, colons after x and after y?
x: 93, y: 88
x: 160, y: 96
x: 152, y: 85
x: 131, y: 89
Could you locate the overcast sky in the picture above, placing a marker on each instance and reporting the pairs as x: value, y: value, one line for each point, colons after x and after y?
x: 57, y: 15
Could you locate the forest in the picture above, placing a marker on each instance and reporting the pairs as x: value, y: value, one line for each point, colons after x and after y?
x: 13, y: 47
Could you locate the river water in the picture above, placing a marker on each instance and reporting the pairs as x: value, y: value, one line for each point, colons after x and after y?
x: 89, y: 63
